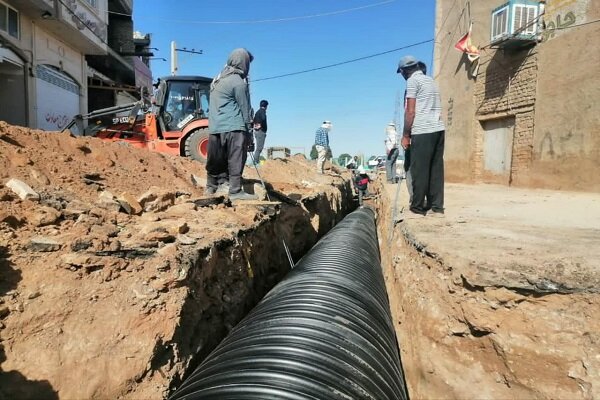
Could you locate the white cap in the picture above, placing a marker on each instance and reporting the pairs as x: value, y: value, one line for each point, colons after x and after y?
x: 361, y: 169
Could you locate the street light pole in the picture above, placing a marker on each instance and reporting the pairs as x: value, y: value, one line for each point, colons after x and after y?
x: 174, y: 50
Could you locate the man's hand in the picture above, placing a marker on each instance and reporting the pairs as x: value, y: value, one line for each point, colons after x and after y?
x: 405, y: 142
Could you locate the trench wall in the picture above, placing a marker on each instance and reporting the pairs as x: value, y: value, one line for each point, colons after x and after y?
x: 462, y: 341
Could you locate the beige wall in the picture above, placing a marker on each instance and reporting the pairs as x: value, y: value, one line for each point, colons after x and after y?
x: 566, y: 148
x: 456, y: 90
x: 549, y: 90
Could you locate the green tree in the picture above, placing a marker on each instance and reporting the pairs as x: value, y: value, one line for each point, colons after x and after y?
x: 314, y: 154
x: 344, y: 158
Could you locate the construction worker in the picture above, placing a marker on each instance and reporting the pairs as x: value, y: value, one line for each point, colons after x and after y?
x: 322, y: 144
x: 229, y: 124
x: 260, y: 129
x: 391, y: 149
x: 361, y: 183
x: 423, y: 134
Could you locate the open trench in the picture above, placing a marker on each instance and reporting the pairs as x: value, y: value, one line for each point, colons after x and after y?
x: 143, y: 324
x: 456, y: 341
x: 226, y: 280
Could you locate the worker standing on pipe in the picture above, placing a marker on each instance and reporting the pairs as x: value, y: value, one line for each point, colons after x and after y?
x: 229, y: 124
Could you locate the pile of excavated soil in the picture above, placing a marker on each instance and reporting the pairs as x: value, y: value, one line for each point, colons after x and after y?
x: 115, y: 271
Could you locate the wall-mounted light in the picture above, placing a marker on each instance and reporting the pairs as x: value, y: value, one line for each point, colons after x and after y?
x: 47, y: 15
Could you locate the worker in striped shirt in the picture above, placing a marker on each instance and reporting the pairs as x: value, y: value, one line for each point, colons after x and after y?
x: 423, y: 134
x: 322, y: 144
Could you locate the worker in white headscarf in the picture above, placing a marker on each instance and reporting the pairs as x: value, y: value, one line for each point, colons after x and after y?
x: 391, y: 149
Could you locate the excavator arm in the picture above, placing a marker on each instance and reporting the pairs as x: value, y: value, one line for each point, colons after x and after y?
x: 133, y: 109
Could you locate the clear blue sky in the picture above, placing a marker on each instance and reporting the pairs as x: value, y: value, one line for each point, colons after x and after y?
x: 359, y: 98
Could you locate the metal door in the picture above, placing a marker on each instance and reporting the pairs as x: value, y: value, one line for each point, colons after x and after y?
x: 57, y: 98
x: 497, y: 145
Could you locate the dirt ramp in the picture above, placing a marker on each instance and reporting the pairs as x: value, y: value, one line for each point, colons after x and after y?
x: 114, y: 270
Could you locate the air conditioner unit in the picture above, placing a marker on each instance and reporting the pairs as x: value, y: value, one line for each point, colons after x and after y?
x: 515, y: 22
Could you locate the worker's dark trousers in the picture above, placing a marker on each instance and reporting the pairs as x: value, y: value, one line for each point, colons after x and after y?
x: 226, y: 158
x: 427, y: 172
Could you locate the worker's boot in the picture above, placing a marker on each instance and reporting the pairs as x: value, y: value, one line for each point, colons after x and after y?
x: 223, y: 188
x: 241, y: 195
x: 209, y: 191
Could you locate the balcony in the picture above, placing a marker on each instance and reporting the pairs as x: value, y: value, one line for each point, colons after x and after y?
x: 75, y: 22
x: 91, y: 31
x: 122, y: 6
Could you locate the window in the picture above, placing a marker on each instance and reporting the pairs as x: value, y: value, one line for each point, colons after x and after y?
x: 500, y: 23
x: 9, y: 20
x: 93, y: 3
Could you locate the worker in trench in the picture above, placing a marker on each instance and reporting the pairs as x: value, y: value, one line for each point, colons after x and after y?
x: 229, y: 126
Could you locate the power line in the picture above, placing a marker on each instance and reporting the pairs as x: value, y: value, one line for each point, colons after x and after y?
x: 343, y: 62
x: 285, y: 19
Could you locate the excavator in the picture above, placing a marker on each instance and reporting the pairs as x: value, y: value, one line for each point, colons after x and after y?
x: 174, y: 122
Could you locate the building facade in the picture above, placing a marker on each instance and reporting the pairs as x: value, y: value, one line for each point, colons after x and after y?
x: 54, y: 53
x: 529, y: 115
x: 43, y: 69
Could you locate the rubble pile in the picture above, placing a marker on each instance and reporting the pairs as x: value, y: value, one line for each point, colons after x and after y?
x: 115, y: 271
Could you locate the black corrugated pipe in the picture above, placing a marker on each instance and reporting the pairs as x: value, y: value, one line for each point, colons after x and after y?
x: 324, y: 332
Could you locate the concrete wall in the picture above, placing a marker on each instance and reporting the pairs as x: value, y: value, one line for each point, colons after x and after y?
x: 548, y: 91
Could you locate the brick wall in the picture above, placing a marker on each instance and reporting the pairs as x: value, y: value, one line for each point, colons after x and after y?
x: 506, y: 88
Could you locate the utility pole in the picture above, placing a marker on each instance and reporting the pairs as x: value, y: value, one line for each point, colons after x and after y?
x: 173, y: 58
x: 174, y: 50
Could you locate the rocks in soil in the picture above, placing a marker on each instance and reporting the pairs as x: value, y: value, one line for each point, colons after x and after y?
x: 260, y: 191
x: 39, y: 177
x: 43, y: 216
x: 80, y: 244
x: 198, y: 181
x: 43, y: 244
x: 107, y: 201
x: 75, y: 208
x: 157, y: 199
x: 130, y: 204
x: 186, y: 240
x: 75, y: 261
x: 23, y: 190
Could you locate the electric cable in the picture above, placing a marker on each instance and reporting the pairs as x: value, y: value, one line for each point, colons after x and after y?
x: 344, y: 62
x: 285, y: 19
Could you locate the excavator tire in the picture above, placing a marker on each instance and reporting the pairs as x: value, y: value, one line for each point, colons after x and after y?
x: 196, y: 145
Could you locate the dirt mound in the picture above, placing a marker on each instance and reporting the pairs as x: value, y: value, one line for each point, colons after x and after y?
x: 115, y: 271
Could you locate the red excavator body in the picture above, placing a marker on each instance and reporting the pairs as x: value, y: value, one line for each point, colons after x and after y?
x: 174, y: 122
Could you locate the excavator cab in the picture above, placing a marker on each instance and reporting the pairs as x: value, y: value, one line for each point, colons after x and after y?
x: 181, y: 99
